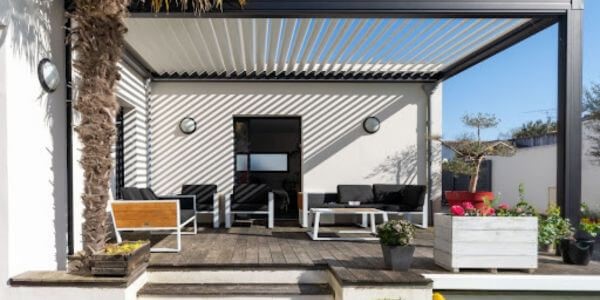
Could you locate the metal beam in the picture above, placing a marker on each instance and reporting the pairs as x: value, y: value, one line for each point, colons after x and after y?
x: 366, y: 8
x: 498, y: 45
x: 570, y: 88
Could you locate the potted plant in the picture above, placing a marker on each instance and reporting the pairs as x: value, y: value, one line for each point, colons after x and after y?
x: 579, y: 249
x: 470, y: 152
x: 396, y: 237
x: 500, y: 237
x: 551, y: 229
x: 122, y: 259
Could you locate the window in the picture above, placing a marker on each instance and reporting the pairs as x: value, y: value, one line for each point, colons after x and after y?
x: 269, y: 162
x: 261, y: 162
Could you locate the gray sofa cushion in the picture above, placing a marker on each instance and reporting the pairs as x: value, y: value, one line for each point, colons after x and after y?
x: 148, y: 194
x: 388, y: 193
x: 360, y: 193
x: 250, y: 193
x: 406, y: 197
x: 185, y: 214
x: 131, y: 193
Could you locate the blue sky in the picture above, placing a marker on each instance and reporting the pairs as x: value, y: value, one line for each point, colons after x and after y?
x: 518, y: 84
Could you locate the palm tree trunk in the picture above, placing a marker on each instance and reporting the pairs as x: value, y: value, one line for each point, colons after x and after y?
x: 97, y: 39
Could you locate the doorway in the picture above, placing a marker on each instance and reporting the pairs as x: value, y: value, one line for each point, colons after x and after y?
x: 268, y: 150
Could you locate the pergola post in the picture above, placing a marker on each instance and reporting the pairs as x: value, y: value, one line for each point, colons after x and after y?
x: 569, y: 114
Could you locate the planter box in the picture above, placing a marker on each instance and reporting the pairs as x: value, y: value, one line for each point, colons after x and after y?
x: 485, y: 242
x: 121, y: 265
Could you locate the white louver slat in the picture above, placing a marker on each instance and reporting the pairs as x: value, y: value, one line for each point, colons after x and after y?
x: 304, y: 47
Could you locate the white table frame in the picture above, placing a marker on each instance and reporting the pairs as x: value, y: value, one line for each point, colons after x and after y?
x: 315, y: 218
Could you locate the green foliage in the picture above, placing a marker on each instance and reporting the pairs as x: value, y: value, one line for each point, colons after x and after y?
x: 123, y: 248
x: 396, y: 233
x: 470, y: 151
x: 535, y: 129
x: 552, y: 227
x: 590, y: 220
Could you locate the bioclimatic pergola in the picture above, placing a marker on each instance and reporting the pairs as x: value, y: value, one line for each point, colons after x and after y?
x: 364, y: 40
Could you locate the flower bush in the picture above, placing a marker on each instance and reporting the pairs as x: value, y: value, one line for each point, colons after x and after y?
x: 552, y: 227
x: 590, y: 220
x: 396, y: 233
x: 522, y: 209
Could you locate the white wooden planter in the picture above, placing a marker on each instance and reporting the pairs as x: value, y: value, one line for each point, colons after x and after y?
x: 485, y: 242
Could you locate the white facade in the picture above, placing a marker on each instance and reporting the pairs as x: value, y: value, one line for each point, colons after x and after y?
x: 336, y: 149
x: 33, y: 174
x: 535, y: 167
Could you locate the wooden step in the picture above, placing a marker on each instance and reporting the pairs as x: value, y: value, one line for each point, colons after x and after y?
x: 236, y: 291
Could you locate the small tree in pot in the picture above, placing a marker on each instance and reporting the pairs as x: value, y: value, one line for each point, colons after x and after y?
x: 470, y: 151
x: 396, y: 237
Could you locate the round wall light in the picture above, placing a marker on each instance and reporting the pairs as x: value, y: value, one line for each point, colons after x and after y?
x: 48, y: 75
x: 187, y: 125
x: 371, y: 125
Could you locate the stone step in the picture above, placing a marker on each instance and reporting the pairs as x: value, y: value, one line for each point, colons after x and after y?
x: 245, y: 275
x: 157, y: 291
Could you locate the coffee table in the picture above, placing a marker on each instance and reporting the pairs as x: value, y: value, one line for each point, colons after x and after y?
x: 315, y: 214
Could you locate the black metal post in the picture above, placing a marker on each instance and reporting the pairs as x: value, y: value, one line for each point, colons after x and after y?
x: 569, y: 114
x: 68, y: 79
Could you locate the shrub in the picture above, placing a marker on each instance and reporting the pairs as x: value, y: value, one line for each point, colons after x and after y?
x: 552, y: 227
x: 396, y: 233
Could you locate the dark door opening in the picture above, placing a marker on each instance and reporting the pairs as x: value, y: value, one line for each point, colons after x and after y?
x: 268, y: 151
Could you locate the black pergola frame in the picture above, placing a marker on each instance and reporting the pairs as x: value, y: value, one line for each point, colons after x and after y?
x: 567, y: 13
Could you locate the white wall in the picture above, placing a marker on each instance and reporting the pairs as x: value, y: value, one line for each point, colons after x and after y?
x: 32, y: 140
x: 535, y: 167
x: 336, y: 149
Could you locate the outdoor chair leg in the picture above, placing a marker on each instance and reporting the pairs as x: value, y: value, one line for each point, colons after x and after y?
x: 228, y: 212
x: 271, y: 213
x: 118, y: 236
x: 216, y: 211
x: 364, y: 221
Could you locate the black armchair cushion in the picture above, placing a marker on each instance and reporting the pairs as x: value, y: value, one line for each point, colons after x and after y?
x: 249, y: 206
x: 186, y: 214
x: 414, y: 195
x: 131, y: 193
x: 204, y: 195
x: 361, y: 193
x: 250, y: 193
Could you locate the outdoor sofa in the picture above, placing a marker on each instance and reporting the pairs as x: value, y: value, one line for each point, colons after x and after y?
x: 398, y: 199
x: 250, y: 199
x: 207, y: 200
x: 142, y: 210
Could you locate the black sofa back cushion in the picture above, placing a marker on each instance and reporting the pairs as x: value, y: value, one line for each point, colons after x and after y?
x: 148, y: 194
x: 411, y: 196
x: 250, y: 193
x: 131, y: 193
x: 360, y: 193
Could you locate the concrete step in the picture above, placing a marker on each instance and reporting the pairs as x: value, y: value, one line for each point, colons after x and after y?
x: 239, y: 275
x: 159, y: 291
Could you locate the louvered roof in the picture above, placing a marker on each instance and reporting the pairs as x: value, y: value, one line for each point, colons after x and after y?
x: 302, y: 48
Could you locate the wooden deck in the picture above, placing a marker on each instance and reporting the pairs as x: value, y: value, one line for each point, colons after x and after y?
x: 288, y: 247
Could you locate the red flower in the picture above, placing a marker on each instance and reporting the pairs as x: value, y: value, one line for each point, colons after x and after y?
x: 504, y: 206
x: 457, y: 210
x: 468, y: 205
x: 488, y: 211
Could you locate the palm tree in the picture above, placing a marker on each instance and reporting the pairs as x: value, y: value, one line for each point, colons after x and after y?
x: 97, y: 41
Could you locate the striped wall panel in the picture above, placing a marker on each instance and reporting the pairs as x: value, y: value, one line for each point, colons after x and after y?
x: 132, y: 94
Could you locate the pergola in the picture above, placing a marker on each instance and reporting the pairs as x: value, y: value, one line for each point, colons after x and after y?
x: 424, y: 41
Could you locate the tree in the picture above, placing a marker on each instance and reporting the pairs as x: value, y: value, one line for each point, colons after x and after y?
x: 535, y: 129
x: 472, y: 151
x: 591, y: 104
x: 97, y: 40
x: 197, y: 5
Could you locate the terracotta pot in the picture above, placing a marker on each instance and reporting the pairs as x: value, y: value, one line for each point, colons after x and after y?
x: 477, y: 199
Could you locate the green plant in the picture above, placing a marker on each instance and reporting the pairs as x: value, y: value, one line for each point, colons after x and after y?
x: 396, y: 233
x: 470, y: 151
x: 535, y: 129
x: 123, y: 248
x: 552, y: 227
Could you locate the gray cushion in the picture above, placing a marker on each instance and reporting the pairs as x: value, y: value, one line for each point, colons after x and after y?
x: 131, y: 193
x: 361, y: 193
x: 250, y: 193
x: 388, y: 193
x: 204, y: 194
x: 407, y: 197
x: 148, y: 194
x: 249, y: 207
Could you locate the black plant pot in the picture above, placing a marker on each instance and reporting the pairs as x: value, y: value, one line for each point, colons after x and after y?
x: 398, y: 258
x: 577, y: 252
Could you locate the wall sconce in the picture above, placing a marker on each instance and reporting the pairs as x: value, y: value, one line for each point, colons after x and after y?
x: 187, y: 125
x: 371, y: 125
x: 48, y: 75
